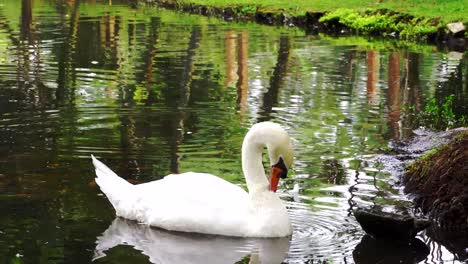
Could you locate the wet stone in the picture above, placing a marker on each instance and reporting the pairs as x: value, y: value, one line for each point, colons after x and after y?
x: 390, y: 226
x: 456, y: 28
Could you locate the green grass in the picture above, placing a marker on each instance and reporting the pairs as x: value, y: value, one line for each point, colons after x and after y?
x: 438, y: 115
x: 383, y: 21
x: 445, y: 10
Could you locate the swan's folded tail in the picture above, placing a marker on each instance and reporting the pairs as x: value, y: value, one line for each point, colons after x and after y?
x: 115, y: 188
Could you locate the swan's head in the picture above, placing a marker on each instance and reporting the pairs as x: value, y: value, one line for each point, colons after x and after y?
x: 281, y: 154
x: 281, y: 158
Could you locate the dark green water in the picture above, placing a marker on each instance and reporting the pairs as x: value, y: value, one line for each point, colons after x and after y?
x: 153, y: 92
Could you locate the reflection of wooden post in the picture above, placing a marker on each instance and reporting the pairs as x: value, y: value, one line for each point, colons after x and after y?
x: 231, y: 67
x: 372, y: 77
x: 243, y: 71
x: 350, y: 62
x: 103, y: 31
x: 107, y: 30
x: 111, y: 26
x: 393, y: 97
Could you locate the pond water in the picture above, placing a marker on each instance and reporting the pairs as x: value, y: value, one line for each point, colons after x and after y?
x: 153, y: 92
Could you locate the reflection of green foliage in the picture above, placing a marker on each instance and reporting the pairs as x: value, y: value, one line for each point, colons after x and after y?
x: 314, y: 188
x: 368, y: 43
x: 390, y: 201
x: 244, y: 260
x: 16, y: 260
x: 438, y: 116
x: 123, y: 254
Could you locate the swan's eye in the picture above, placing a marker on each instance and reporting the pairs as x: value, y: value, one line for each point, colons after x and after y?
x: 280, y: 165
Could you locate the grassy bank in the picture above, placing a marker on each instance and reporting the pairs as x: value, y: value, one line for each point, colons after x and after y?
x: 447, y: 11
x: 411, y: 19
x: 439, y: 180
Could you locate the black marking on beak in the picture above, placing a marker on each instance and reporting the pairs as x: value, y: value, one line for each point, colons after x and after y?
x: 280, y: 165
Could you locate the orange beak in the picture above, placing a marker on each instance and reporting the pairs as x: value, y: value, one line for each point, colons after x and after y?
x: 274, y: 178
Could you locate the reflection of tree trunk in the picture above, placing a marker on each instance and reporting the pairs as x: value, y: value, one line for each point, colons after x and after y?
x: 186, y: 81
x: 394, y: 100
x: 411, y: 90
x: 128, y: 123
x: 270, y: 98
x: 413, y: 81
x: 150, y: 60
x: 29, y: 60
x: 372, y: 77
x: 23, y: 48
x: 127, y: 143
x: 243, y: 70
x: 109, y: 34
x: 230, y: 49
x: 26, y: 19
x: 66, y: 79
x: 177, y: 126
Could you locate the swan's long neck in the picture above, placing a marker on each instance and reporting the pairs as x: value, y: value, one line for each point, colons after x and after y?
x: 252, y: 166
x: 277, y: 141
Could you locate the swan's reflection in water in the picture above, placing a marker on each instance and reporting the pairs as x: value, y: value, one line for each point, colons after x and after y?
x: 174, y: 247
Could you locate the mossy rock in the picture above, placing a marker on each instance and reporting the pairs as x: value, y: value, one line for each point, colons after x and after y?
x: 439, y: 179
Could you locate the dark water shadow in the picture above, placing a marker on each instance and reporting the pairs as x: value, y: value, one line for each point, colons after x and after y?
x: 162, y: 246
x: 454, y: 240
x: 371, y: 250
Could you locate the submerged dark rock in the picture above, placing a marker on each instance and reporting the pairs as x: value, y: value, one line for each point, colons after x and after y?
x: 390, y: 226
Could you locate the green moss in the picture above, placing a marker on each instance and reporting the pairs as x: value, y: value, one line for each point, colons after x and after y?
x: 423, y: 166
x: 383, y: 21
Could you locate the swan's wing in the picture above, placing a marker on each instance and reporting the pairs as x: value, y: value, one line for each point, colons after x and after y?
x: 193, y: 202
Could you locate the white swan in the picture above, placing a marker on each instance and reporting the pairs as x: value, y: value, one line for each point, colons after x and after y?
x: 203, y: 203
